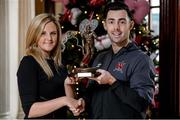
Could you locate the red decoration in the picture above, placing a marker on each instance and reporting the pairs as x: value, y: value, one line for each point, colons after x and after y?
x: 140, y: 7
x: 86, y: 60
x: 66, y: 17
x: 157, y: 70
x: 84, y: 82
x: 65, y: 2
x: 138, y: 39
x: 96, y: 3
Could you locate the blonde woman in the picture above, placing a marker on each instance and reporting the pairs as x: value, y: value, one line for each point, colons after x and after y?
x: 41, y: 75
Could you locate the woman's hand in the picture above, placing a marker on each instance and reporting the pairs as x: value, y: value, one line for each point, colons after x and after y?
x: 70, y: 81
x: 69, y: 86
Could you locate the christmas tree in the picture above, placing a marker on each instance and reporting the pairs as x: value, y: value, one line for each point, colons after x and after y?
x: 79, y: 14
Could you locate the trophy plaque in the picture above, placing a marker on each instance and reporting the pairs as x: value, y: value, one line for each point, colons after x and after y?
x: 86, y: 72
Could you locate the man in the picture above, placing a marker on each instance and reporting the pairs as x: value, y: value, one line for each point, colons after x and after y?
x: 124, y: 88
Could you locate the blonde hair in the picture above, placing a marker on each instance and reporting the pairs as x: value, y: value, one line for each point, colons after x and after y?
x: 33, y: 35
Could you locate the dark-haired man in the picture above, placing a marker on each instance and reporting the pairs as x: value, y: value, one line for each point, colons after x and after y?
x: 125, y: 87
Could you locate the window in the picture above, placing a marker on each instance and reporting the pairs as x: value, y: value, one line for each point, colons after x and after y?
x: 153, y: 16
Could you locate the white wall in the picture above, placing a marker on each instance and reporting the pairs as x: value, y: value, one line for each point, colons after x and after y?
x: 12, y: 53
x: 4, y: 66
x: 14, y: 18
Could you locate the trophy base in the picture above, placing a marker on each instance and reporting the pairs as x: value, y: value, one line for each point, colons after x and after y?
x: 86, y: 72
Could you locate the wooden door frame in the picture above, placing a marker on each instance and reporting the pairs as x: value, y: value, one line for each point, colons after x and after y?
x: 44, y: 6
x: 169, y: 59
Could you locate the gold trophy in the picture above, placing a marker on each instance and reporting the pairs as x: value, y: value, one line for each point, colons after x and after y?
x: 88, y: 35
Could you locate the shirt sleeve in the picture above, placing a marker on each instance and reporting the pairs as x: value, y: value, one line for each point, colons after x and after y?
x: 27, y: 77
x: 138, y: 93
x: 142, y: 79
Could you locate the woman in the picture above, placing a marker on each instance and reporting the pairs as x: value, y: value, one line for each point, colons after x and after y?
x: 41, y: 76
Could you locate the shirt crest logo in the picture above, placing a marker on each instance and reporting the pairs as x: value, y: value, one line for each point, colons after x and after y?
x: 119, y: 66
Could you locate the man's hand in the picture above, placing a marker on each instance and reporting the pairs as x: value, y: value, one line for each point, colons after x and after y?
x: 79, y: 108
x: 104, y: 78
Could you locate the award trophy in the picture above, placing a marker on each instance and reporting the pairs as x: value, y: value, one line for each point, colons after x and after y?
x: 88, y: 35
x: 86, y: 72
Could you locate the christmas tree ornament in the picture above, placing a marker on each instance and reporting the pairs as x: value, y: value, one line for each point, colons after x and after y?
x: 71, y: 35
x: 102, y: 42
x: 75, y: 12
x: 86, y: 22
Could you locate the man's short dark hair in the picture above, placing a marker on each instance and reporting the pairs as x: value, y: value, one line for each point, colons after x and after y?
x: 118, y: 5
